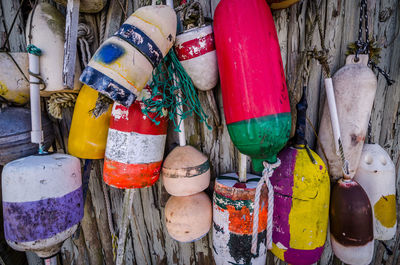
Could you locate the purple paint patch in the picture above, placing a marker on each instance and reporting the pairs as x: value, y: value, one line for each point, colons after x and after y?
x: 282, y: 180
x: 321, y: 167
x: 303, y: 257
x: 37, y: 220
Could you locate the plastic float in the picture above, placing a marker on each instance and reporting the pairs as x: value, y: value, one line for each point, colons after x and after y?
x: 123, y: 64
x: 14, y: 85
x: 135, y: 148
x: 354, y: 90
x: 233, y: 210
x: 46, y: 26
x: 188, y: 218
x: 301, y: 191
x: 350, y: 213
x: 255, y: 97
x: 185, y: 174
x: 376, y: 174
x: 88, y: 134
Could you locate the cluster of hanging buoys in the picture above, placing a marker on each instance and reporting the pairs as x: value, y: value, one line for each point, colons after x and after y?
x: 301, y: 209
x: 257, y: 112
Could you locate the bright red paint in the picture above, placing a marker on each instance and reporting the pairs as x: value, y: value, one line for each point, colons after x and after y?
x: 250, y: 65
x: 195, y: 48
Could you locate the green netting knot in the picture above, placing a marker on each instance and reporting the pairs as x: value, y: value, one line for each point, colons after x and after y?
x: 32, y: 49
x: 171, y: 89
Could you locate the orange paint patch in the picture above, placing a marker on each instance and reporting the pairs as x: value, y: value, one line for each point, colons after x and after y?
x: 241, y: 222
x: 130, y: 176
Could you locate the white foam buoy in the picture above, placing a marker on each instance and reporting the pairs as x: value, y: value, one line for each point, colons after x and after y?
x: 376, y: 173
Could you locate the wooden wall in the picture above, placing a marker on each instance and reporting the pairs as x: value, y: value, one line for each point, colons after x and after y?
x: 148, y: 240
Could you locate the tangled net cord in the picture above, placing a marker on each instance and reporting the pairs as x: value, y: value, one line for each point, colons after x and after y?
x: 168, y: 79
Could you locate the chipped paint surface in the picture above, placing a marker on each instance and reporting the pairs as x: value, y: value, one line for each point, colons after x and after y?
x: 301, y: 207
x: 233, y: 223
x: 135, y: 148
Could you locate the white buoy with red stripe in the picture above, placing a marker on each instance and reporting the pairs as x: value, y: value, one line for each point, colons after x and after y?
x: 195, y: 49
x: 135, y: 148
x: 376, y: 173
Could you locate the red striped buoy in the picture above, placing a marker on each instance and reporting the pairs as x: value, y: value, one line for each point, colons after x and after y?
x: 255, y: 98
x: 135, y: 148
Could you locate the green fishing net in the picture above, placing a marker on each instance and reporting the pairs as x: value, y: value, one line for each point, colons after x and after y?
x: 168, y: 79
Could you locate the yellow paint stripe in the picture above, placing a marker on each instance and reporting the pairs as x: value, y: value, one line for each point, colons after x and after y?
x: 123, y: 77
x: 148, y: 22
x: 284, y: 4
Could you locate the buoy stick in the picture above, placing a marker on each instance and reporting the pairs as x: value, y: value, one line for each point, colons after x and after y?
x: 335, y: 124
x: 242, y: 167
x: 70, y: 45
x: 36, y: 118
x: 126, y: 216
x: 182, y: 139
x: 51, y: 261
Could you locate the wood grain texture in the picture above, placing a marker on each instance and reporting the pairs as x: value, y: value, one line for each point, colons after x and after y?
x: 148, y: 241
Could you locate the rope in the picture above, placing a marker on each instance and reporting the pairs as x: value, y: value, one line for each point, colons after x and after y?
x: 58, y: 101
x: 168, y: 79
x: 85, y: 38
x: 110, y: 221
x: 267, y: 173
x: 103, y: 20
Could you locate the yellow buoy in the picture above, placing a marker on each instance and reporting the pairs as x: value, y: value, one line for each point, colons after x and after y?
x: 88, y: 134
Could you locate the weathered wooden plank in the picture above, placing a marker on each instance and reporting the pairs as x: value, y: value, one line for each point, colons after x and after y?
x: 16, y: 41
x: 89, y: 228
x: 70, y: 45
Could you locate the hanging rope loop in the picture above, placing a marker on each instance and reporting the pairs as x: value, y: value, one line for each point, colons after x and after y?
x: 267, y: 173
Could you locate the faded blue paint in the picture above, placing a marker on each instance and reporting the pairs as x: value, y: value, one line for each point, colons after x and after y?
x: 108, y: 53
x: 37, y: 220
x: 107, y: 86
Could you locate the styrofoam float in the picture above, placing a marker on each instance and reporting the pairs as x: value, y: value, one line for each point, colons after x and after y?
x: 376, y: 173
x: 351, y: 225
x: 15, y: 134
x: 88, y: 134
x: 354, y: 86
x: 255, y: 98
x: 135, y: 148
x: 195, y: 49
x: 233, y: 205
x: 301, y: 200
x: 186, y: 171
x: 123, y: 64
x: 13, y: 85
x: 42, y: 202
x: 188, y: 218
x: 48, y: 28
x: 87, y: 6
